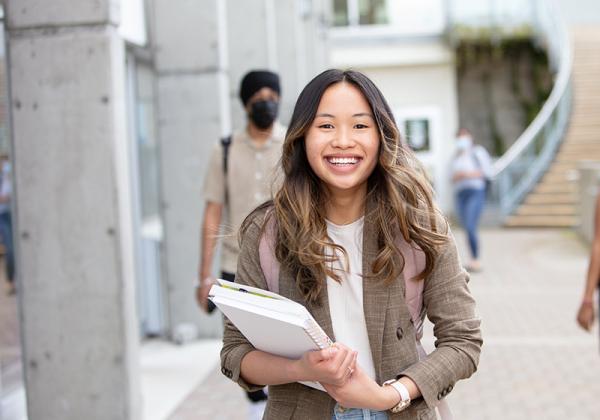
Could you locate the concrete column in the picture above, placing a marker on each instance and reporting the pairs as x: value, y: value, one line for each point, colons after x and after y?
x: 202, y: 50
x: 73, y: 240
x: 193, y: 115
x: 286, y: 36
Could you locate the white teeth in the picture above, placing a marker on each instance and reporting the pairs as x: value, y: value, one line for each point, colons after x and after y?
x: 343, y: 160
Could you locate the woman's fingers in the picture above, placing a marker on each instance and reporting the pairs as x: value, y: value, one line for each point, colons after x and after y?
x: 346, y: 368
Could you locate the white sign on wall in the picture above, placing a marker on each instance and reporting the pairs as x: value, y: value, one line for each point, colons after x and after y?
x: 421, y: 128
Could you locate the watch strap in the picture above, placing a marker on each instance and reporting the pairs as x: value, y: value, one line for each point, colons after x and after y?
x: 402, y: 391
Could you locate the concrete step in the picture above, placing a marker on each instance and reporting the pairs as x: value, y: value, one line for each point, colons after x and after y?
x: 563, y: 176
x: 574, y: 160
x: 573, y: 146
x: 562, y: 167
x: 556, y: 187
x: 582, y: 154
x: 547, y: 210
x: 541, y: 221
x: 554, y: 198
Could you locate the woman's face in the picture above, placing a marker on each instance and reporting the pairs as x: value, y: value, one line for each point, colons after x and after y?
x: 342, y: 143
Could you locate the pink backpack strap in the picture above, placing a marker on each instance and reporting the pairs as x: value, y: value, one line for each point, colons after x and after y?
x: 268, y: 262
x: 414, y: 263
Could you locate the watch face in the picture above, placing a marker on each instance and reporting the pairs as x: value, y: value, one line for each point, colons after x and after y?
x: 402, y: 405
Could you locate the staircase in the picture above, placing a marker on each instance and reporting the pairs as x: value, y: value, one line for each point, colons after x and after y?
x: 553, y: 202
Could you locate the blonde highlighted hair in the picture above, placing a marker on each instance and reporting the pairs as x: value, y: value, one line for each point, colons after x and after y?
x: 401, y: 197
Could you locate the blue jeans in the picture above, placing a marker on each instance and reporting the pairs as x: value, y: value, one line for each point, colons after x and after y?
x: 469, y: 203
x: 340, y: 413
x: 6, y: 237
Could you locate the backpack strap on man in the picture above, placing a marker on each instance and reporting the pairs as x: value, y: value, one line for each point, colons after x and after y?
x: 225, y: 143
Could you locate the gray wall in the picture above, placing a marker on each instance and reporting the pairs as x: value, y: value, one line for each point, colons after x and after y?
x: 191, y: 77
x: 74, y: 235
x: 202, y: 50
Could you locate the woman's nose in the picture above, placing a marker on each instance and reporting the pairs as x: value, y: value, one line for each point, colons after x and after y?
x: 343, y: 139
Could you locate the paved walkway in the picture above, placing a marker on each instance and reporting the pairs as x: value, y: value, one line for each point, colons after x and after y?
x: 536, y: 364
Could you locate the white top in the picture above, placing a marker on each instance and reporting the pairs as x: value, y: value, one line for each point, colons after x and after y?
x: 346, y: 298
x: 475, y: 158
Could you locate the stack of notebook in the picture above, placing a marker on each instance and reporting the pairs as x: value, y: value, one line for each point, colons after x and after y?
x: 271, y: 322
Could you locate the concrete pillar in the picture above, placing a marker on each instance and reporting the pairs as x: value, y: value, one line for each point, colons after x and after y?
x: 193, y: 114
x: 286, y: 36
x: 73, y: 210
x: 202, y: 50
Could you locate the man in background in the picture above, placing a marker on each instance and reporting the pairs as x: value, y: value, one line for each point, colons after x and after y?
x: 239, y: 178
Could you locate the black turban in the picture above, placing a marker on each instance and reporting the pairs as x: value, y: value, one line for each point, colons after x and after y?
x: 256, y: 80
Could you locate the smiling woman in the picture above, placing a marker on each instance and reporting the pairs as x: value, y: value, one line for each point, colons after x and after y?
x: 355, y: 216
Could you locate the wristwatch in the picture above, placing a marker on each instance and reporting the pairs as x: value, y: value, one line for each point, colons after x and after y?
x: 404, y: 395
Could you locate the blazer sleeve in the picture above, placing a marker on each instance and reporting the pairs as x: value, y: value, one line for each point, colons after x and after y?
x: 451, y: 308
x: 249, y: 272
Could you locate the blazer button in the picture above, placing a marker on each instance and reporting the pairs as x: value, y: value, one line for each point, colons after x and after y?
x: 399, y: 333
x: 440, y: 396
x: 450, y: 388
x: 223, y: 371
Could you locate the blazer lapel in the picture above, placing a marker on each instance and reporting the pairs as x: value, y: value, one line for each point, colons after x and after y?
x: 320, y: 312
x: 375, y: 294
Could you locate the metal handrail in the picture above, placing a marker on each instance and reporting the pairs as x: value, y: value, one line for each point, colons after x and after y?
x: 521, y: 167
x: 558, y: 92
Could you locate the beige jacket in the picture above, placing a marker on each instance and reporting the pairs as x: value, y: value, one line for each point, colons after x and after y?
x: 447, y: 303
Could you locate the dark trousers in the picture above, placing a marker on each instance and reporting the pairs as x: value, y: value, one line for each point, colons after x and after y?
x: 6, y: 237
x: 255, y: 396
x: 469, y: 203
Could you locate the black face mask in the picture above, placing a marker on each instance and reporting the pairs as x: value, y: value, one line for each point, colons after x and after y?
x: 263, y: 113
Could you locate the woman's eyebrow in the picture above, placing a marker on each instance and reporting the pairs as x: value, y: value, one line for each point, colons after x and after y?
x: 360, y: 114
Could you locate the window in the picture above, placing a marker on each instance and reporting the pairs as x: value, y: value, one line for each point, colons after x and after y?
x: 359, y: 12
x: 372, y: 12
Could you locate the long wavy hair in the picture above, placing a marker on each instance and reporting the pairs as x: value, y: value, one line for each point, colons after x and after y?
x: 401, y: 197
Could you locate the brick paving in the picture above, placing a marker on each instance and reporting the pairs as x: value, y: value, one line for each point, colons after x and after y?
x: 535, y: 364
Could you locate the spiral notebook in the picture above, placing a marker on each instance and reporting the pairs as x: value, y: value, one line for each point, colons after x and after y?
x: 271, y: 322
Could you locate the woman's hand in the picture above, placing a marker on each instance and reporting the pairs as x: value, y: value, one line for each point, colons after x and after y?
x: 333, y: 365
x: 360, y: 391
x: 585, y: 315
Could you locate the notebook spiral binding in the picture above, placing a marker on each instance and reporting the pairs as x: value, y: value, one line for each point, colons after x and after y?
x: 318, y: 335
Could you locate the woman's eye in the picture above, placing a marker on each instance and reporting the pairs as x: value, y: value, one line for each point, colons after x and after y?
x: 360, y: 126
x: 326, y: 126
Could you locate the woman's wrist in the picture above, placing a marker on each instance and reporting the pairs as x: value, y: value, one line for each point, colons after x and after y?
x: 587, y: 300
x: 388, y: 398
x: 294, y: 371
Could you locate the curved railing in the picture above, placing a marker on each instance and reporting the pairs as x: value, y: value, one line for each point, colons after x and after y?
x: 519, y: 169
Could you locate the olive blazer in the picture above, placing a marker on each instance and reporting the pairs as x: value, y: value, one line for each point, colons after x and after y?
x: 447, y: 302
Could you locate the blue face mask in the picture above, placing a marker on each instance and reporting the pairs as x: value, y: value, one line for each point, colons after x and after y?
x: 463, y: 143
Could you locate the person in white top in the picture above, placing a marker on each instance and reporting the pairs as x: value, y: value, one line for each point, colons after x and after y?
x: 471, y: 172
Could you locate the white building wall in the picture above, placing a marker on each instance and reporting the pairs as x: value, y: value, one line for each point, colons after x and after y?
x: 418, y: 80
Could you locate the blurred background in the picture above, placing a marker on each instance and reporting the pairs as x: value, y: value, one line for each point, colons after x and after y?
x: 108, y: 111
